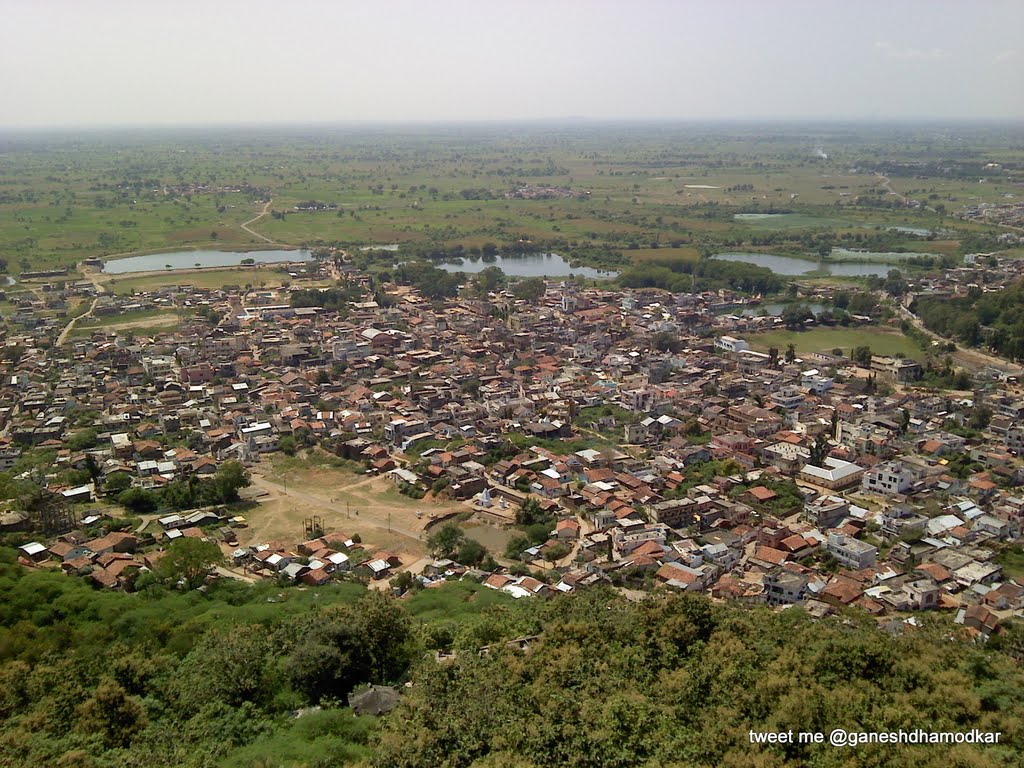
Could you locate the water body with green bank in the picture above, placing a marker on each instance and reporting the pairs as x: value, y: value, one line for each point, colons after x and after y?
x: 528, y: 265
x: 790, y: 221
x: 860, y: 263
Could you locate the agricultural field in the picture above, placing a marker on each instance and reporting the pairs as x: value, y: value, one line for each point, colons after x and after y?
x: 663, y: 254
x: 614, y: 193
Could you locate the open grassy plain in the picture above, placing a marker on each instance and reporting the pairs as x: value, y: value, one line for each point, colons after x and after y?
x: 614, y: 193
x: 883, y: 341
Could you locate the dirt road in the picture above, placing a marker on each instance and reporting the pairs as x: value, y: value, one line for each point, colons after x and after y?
x: 971, y: 358
x: 266, y: 208
x: 71, y: 323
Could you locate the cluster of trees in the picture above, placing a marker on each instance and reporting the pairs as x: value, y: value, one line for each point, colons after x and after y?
x: 450, y: 541
x: 529, y: 289
x: 795, y: 315
x: 860, y: 303
x: 190, y: 492
x: 430, y: 281
x: 489, y: 279
x: 168, y: 678
x: 893, y: 283
x: 330, y: 298
x: 675, y: 680
x: 171, y: 679
x: 994, y: 319
x: 707, y: 274
x: 535, y: 527
x: 944, y: 376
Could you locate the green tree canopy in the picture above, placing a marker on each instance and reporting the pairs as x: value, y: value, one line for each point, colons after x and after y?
x: 188, y: 561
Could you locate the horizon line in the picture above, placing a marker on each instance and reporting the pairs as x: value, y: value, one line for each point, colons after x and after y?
x: 506, y: 121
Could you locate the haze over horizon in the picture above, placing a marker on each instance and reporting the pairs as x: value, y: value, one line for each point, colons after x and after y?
x: 105, y: 63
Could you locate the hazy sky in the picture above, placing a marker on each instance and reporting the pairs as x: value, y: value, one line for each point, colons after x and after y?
x: 74, y: 62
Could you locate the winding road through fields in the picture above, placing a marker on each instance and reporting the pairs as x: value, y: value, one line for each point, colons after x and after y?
x: 266, y: 208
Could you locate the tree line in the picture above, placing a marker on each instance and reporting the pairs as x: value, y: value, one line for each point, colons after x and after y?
x: 993, y: 320
x: 706, y: 274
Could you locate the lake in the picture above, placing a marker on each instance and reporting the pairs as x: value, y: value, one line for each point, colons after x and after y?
x: 788, y: 265
x: 889, y: 257
x: 193, y: 259
x: 912, y: 231
x: 756, y: 216
x: 530, y: 265
x: 789, y: 220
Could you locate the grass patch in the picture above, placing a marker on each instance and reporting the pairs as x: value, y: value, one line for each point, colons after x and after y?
x: 794, y: 221
x: 1012, y: 561
x: 686, y: 254
x: 454, y: 601
x: 881, y: 341
x: 211, y: 279
x: 285, y: 467
x: 328, y: 737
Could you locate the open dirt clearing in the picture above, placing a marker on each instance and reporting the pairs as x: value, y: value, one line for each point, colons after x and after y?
x: 347, y: 502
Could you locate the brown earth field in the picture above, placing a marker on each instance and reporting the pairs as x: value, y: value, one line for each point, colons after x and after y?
x: 353, y: 503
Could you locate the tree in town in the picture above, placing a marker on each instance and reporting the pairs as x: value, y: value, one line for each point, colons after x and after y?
x: 530, y: 289
x: 820, y: 450
x: 516, y: 546
x: 861, y: 355
x: 116, y: 483
x: 48, y: 512
x: 446, y: 540
x: 530, y: 512
x: 470, y: 552
x: 188, y: 561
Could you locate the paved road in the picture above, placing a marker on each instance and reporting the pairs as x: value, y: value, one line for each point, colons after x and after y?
x: 266, y: 207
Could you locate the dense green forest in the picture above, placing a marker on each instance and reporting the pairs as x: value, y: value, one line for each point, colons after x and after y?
x: 97, y: 679
x: 994, y: 320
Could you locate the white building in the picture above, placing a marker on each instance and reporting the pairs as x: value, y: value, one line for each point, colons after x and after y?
x: 731, y: 344
x: 835, y: 473
x: 851, y: 552
x: 890, y: 478
x: 788, y: 397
